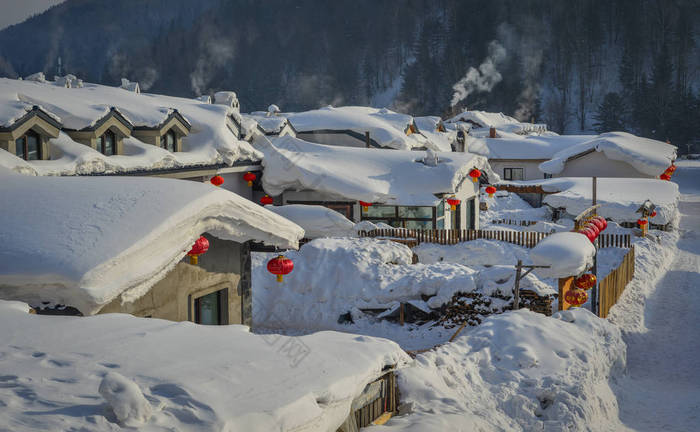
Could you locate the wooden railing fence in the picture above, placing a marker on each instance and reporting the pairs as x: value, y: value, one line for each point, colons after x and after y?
x: 526, y: 239
x: 610, y: 289
x: 513, y: 222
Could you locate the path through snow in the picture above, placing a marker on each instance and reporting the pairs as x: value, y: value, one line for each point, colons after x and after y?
x: 662, y: 388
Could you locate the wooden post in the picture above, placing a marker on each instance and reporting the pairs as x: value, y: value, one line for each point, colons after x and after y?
x: 368, y: 141
x: 516, y: 289
x: 564, y: 286
x: 401, y: 313
x: 594, y: 291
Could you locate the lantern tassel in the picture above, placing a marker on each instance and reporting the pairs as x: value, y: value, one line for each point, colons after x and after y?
x: 194, y: 259
x: 475, y: 179
x: 279, y: 278
x: 250, y: 183
x: 365, y: 208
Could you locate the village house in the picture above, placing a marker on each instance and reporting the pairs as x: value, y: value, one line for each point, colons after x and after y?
x: 92, y: 245
x: 406, y: 189
x: 101, y: 130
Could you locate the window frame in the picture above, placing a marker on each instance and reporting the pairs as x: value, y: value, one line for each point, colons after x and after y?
x: 401, y: 221
x: 100, y: 144
x: 222, y: 306
x: 25, y: 145
x: 164, y: 140
x: 511, y: 170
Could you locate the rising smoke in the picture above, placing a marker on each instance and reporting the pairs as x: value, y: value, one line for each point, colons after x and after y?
x: 482, y: 79
x: 214, y: 55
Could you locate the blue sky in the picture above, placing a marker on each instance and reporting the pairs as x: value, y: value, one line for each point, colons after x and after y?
x: 15, y: 11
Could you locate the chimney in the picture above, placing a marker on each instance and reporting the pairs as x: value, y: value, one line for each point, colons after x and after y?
x: 492, y: 132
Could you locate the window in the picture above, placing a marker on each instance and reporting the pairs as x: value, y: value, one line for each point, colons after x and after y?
x: 169, y: 141
x: 547, y: 176
x: 513, y: 174
x: 28, y: 147
x: 403, y: 217
x: 107, y: 144
x: 212, y: 309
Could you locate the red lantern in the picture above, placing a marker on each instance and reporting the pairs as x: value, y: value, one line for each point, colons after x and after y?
x: 250, y: 178
x: 200, y: 246
x: 600, y: 223
x: 217, y: 180
x: 365, y: 205
x: 490, y: 190
x: 576, y: 297
x: 665, y: 177
x: 672, y: 168
x: 641, y: 222
x: 475, y: 174
x: 585, y: 281
x: 280, y: 266
x: 589, y: 233
x: 593, y: 227
x: 653, y: 214
x: 266, y: 200
x: 453, y: 202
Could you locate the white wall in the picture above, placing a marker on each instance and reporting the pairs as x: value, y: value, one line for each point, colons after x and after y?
x: 596, y: 164
x: 530, y: 167
x: 234, y: 182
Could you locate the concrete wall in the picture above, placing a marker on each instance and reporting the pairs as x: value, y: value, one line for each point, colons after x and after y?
x: 172, y: 297
x: 530, y: 167
x: 596, y: 164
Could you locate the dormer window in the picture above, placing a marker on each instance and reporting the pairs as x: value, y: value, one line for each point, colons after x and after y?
x: 107, y: 143
x: 28, y: 146
x: 169, y: 141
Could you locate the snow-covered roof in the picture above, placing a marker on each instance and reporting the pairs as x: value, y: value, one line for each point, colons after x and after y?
x: 270, y: 124
x: 371, y: 175
x: 317, y: 221
x: 619, y: 197
x: 646, y: 155
x: 210, y: 141
x: 533, y: 147
x: 82, y: 241
x: 500, y: 121
x: 428, y: 127
x: 386, y: 128
x: 193, y: 377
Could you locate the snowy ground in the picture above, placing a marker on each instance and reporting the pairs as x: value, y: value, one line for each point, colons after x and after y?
x: 661, y: 390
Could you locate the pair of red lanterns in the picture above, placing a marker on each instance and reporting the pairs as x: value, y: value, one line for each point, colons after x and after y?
x: 578, y: 296
x: 249, y: 177
x: 594, y: 227
x: 278, y: 266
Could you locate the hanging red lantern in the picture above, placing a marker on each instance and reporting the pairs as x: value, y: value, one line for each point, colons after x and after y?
x: 653, y: 214
x: 490, y: 190
x: 672, y: 168
x: 280, y: 266
x: 266, y: 200
x: 453, y: 202
x: 585, y: 281
x: 249, y: 177
x: 593, y: 227
x: 365, y: 205
x: 589, y: 233
x: 576, y: 297
x: 475, y: 174
x: 217, y: 180
x: 200, y: 246
x: 641, y: 222
x: 665, y: 177
x: 600, y: 223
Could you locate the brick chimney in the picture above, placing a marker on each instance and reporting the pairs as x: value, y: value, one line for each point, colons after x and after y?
x: 492, y: 132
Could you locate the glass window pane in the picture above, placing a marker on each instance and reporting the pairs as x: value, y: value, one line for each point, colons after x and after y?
x: 380, y: 211
x: 170, y: 141
x: 108, y: 144
x: 441, y: 223
x: 19, y: 147
x: 517, y: 174
x: 98, y: 144
x: 441, y: 209
x: 416, y: 212
x: 411, y: 224
x: 207, y: 309
x: 32, y: 147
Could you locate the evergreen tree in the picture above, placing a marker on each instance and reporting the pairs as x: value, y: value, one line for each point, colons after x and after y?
x: 610, y: 114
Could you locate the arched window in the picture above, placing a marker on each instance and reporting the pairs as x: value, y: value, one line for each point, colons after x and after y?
x: 28, y: 146
x: 107, y: 143
x: 169, y: 141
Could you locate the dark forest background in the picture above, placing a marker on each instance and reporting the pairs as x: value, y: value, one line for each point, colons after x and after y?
x: 576, y: 65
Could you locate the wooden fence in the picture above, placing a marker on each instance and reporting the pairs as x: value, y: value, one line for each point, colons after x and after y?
x: 513, y: 222
x: 449, y: 237
x: 610, y: 289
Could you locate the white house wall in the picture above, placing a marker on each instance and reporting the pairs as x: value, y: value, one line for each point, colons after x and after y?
x: 234, y: 182
x: 530, y: 168
x: 596, y: 164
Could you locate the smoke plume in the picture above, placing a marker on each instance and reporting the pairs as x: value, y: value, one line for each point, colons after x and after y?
x: 482, y: 79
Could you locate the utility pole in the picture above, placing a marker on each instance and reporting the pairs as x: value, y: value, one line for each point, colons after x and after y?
x: 594, y: 291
